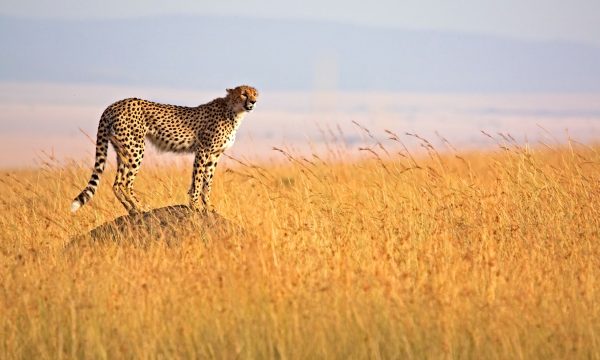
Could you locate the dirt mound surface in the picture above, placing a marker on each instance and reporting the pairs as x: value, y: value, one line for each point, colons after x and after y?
x: 170, y: 224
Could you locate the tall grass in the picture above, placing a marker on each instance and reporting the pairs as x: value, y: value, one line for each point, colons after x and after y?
x: 491, y: 254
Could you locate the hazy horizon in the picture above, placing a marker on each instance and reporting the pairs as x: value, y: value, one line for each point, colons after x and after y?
x: 53, y: 118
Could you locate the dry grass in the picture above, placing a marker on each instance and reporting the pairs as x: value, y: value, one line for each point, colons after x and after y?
x: 479, y: 255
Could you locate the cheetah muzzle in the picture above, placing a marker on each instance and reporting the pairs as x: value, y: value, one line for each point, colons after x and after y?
x: 206, y: 130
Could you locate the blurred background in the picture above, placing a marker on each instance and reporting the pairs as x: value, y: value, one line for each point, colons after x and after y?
x: 529, y: 68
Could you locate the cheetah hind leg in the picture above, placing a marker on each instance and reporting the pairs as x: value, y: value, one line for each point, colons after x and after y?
x: 130, y: 175
x: 123, y: 188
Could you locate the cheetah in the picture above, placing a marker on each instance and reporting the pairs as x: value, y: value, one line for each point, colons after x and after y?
x: 206, y: 130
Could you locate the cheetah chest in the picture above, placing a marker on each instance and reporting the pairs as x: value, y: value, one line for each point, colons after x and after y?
x: 229, y: 137
x: 229, y: 140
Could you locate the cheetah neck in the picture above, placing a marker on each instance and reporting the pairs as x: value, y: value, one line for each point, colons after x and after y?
x: 237, y: 118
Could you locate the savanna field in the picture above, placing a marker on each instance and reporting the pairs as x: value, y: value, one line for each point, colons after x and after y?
x: 489, y: 254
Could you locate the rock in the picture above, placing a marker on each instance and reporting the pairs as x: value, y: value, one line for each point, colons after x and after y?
x: 170, y: 224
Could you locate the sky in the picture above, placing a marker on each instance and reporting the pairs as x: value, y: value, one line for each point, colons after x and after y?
x: 575, y: 20
x: 54, y: 83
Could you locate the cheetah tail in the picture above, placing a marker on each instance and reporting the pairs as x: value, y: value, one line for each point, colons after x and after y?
x: 101, y: 154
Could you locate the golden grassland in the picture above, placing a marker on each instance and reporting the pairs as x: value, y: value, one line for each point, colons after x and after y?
x: 472, y: 255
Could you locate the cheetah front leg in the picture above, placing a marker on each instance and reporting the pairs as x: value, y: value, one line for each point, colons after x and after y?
x: 209, y: 171
x: 200, y: 161
x: 202, y: 174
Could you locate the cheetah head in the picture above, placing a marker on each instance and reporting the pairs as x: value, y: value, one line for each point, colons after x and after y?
x: 242, y: 98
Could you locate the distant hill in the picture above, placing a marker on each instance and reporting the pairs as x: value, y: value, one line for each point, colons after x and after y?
x: 213, y: 52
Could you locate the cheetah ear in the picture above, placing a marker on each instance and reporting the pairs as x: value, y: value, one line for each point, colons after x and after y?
x: 229, y: 91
